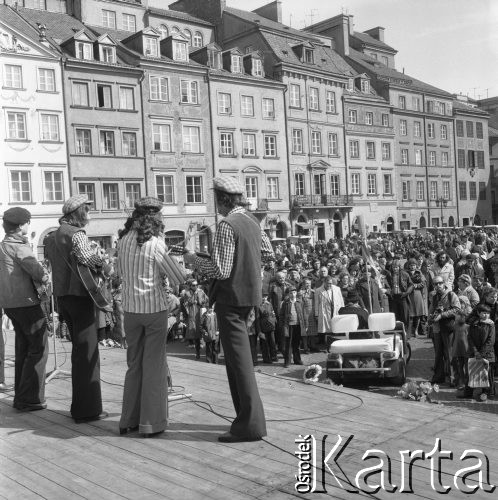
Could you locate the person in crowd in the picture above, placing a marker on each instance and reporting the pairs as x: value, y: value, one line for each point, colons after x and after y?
x: 314, y: 272
x: 268, y: 275
x: 4, y: 387
x: 20, y: 272
x: 443, y: 268
x: 277, y: 295
x: 369, y: 291
x: 66, y: 248
x: 209, y: 328
x: 267, y: 323
x: 238, y: 249
x: 194, y: 303
x: 253, y: 332
x: 323, y: 274
x: 459, y: 353
x: 294, y: 277
x: 417, y: 301
x: 401, y: 287
x: 292, y: 321
x: 353, y: 307
x: 328, y: 301
x: 465, y: 289
x: 308, y: 333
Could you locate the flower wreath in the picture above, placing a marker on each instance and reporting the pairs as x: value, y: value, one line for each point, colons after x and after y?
x: 418, y: 391
x: 312, y: 374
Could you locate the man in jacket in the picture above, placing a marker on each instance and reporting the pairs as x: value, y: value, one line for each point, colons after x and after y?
x: 20, y: 272
x: 328, y: 301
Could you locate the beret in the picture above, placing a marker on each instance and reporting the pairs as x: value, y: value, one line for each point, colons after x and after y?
x: 149, y: 202
x: 465, y: 277
x: 75, y: 202
x: 228, y: 185
x: 17, y: 215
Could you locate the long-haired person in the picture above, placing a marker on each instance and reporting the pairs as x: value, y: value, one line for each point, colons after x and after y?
x: 67, y: 247
x: 142, y: 254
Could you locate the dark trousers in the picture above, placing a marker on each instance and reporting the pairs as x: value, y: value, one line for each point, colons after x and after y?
x: 79, y: 313
x: 268, y: 347
x: 31, y: 350
x: 292, y: 342
x: 460, y: 371
x: 400, y: 309
x: 212, y: 351
x: 250, y: 420
x: 442, y: 341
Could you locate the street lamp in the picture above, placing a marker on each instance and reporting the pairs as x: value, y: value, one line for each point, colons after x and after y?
x: 442, y: 203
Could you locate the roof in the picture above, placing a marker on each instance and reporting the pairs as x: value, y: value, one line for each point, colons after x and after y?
x: 493, y: 131
x: 463, y: 106
x: 370, y: 40
x: 383, y: 72
x: 175, y: 14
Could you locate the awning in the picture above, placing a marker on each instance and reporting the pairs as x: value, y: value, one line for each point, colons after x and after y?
x: 305, y: 225
x: 278, y: 239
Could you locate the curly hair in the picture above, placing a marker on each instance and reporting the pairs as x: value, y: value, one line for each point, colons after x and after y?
x: 146, y: 222
x: 230, y: 200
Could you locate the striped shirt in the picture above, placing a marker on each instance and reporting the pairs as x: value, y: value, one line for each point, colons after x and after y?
x: 224, y: 248
x: 142, y: 270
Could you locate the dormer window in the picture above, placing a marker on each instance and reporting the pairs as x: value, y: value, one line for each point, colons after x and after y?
x: 214, y: 59
x: 198, y: 40
x: 83, y: 50
x: 257, y: 67
x: 350, y: 84
x: 180, y: 51
x: 236, y: 66
x: 308, y: 55
x: 365, y: 86
x: 108, y: 54
x: 150, y: 46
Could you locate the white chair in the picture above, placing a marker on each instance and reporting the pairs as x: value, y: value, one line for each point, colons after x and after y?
x: 381, y: 322
x: 345, y: 323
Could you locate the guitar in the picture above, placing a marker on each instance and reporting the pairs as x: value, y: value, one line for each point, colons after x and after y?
x: 94, y: 283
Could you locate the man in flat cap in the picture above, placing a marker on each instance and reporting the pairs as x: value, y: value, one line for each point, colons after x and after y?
x: 20, y: 272
x: 67, y: 247
x: 235, y: 264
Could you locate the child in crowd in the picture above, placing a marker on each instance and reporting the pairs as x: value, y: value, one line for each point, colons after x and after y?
x: 209, y: 328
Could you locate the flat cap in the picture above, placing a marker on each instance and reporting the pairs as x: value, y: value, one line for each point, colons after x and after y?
x: 149, y: 202
x: 228, y: 185
x: 17, y: 215
x: 75, y: 202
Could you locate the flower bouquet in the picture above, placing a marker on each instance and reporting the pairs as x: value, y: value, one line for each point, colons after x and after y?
x: 418, y: 391
x: 312, y: 374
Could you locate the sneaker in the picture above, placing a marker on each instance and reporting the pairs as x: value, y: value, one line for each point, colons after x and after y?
x: 103, y: 343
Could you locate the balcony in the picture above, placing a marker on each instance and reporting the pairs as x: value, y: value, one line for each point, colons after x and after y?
x: 257, y: 204
x: 321, y: 200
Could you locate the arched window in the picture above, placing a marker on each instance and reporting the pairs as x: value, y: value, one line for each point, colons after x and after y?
x: 163, y: 29
x: 188, y: 35
x: 390, y: 224
x: 198, y: 40
x: 175, y: 30
x: 451, y: 221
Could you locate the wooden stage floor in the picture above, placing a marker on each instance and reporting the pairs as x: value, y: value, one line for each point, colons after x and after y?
x: 45, y: 454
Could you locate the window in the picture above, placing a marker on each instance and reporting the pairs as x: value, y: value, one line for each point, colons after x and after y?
x: 257, y: 67
x: 129, y: 146
x: 432, y: 158
x: 388, y: 184
x: 251, y: 187
x: 472, y: 191
x: 180, y: 51
x: 109, y: 19
x: 80, y: 94
x: 84, y: 51
x: 417, y: 129
x: 88, y: 189
x: 404, y: 157
x: 108, y: 54
x: 461, y: 158
x: 365, y: 86
x: 104, y: 99
x: 106, y: 143
x: 402, y: 102
x: 53, y: 186
x: 46, y: 80
x: 224, y: 104
x: 444, y: 132
x: 370, y: 150
x: 316, y: 143
x: 446, y: 190
x: 482, y: 191
x: 470, y: 128
x: 111, y: 196
x: 402, y: 127
x: 132, y: 194
x: 369, y: 118
x: 16, y: 123
x: 462, y: 188
x: 386, y: 151
x: 459, y: 128
x: 355, y: 183
x: 126, y: 98
x: 319, y: 184
x: 295, y: 96
x: 247, y: 105
x: 175, y: 30
x: 272, y: 188
x: 159, y: 88
x: 129, y: 24
x: 416, y: 103
x: 433, y: 192
x: 444, y: 158
x: 189, y: 92
x: 191, y: 139
x: 249, y: 144
x: 270, y: 145
x: 226, y: 144
x: 12, y: 76
x: 430, y: 131
x: 161, y: 136
x: 198, y: 40
x: 308, y: 56
x: 188, y: 36
x: 480, y: 159
x: 164, y: 189
x: 472, y: 158
x: 150, y: 46
x: 330, y: 101
x: 297, y: 141
x: 20, y: 186
x: 420, y: 190
x: 354, y: 149
x: 194, y: 189
x: 405, y: 188
x: 333, y: 145
x: 268, y: 108
x: 418, y: 157
x: 163, y: 29
x: 353, y: 116
x: 385, y: 120
x: 372, y: 184
x: 83, y: 141
x: 299, y: 184
x: 236, y: 65
x: 49, y: 125
x: 479, y: 130
x: 334, y: 185
x: 314, y: 100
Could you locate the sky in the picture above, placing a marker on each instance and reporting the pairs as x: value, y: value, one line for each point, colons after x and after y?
x: 450, y: 44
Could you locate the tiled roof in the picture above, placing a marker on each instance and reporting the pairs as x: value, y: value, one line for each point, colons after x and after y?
x: 117, y: 35
x: 10, y: 17
x: 227, y: 74
x: 365, y: 38
x: 493, y: 131
x: 175, y: 14
x: 459, y: 105
x: 383, y: 72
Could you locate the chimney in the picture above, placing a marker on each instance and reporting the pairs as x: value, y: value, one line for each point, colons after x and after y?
x: 272, y: 11
x: 377, y: 33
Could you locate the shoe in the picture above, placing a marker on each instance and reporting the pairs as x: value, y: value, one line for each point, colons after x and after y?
x: 102, y: 343
x: 93, y: 418
x: 228, y: 437
x: 298, y: 362
x: 126, y: 430
x: 5, y: 387
x: 151, y: 434
x: 27, y: 407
